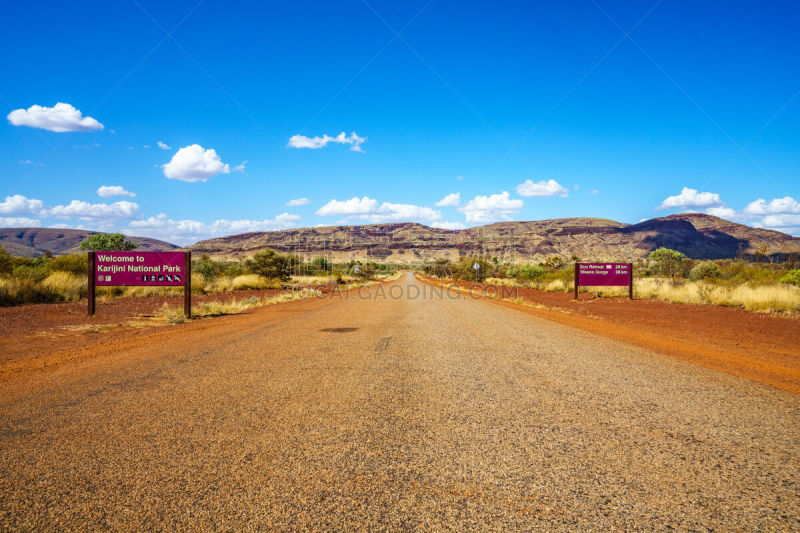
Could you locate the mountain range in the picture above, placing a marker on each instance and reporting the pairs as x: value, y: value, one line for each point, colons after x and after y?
x: 696, y: 235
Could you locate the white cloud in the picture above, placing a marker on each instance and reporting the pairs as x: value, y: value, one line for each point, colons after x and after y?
x: 353, y: 206
x: 449, y: 225
x: 451, y: 199
x: 723, y: 212
x: 146, y: 146
x: 85, y: 210
x: 61, y: 117
x: 297, y: 202
x: 19, y: 222
x: 189, y: 231
x: 691, y: 199
x: 194, y: 163
x: 301, y: 141
x: 491, y: 208
x: 776, y: 206
x: 595, y: 191
x: 541, y: 189
x: 369, y: 210
x: 163, y: 146
x: 239, y: 168
x: 107, y: 191
x: 460, y: 178
x: 20, y: 205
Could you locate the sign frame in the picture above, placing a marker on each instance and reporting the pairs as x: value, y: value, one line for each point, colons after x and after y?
x: 630, y: 278
x: 187, y: 281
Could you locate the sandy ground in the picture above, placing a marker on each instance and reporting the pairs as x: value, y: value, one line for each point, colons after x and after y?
x: 392, y: 412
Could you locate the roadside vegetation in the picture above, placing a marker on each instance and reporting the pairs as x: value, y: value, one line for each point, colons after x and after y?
x: 665, y: 274
x: 64, y: 278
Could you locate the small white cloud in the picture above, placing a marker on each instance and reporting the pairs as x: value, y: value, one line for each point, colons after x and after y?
x: 451, y: 199
x: 194, y: 163
x: 163, y: 146
x: 776, y: 206
x: 691, y: 199
x: 781, y: 221
x: 595, y: 191
x: 460, y: 178
x: 20, y: 205
x: 60, y: 118
x: 239, y: 168
x: 369, y: 210
x: 30, y: 162
x: 146, y: 146
x: 301, y: 141
x: 541, y: 189
x: 297, y: 202
x: 722, y: 212
x: 491, y: 208
x: 448, y: 225
x: 107, y: 191
x: 353, y: 206
x: 85, y: 210
x: 19, y: 222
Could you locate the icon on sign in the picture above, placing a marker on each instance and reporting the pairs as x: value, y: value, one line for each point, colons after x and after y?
x: 160, y: 278
x: 177, y: 277
x: 169, y: 278
x: 100, y: 277
x: 609, y: 267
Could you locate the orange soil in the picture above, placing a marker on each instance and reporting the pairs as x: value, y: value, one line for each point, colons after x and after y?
x: 761, y: 347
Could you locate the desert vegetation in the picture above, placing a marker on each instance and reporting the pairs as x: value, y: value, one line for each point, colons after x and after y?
x: 64, y: 278
x: 664, y: 275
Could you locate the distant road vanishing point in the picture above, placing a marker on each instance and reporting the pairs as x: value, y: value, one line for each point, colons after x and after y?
x: 399, y: 408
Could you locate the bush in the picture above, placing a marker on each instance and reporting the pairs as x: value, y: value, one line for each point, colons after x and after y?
x: 77, y: 264
x: 792, y: 278
x: 320, y: 263
x: 6, y: 262
x: 108, y: 242
x: 65, y: 286
x: 705, y: 270
x: 269, y: 264
x: 34, y: 270
x: 208, y: 268
x: 667, y: 262
x: 527, y: 272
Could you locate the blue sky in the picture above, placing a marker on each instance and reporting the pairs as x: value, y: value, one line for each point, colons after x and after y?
x: 377, y: 111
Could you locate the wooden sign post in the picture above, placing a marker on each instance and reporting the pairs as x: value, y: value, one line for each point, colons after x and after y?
x: 149, y: 269
x: 604, y: 275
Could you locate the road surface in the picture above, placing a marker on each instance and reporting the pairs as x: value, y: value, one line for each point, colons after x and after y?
x: 405, y: 408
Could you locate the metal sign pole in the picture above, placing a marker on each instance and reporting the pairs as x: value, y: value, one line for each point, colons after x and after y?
x: 630, y: 281
x: 91, y: 273
x: 576, y: 281
x: 187, y: 284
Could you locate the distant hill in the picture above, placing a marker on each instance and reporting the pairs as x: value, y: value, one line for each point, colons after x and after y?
x: 696, y: 235
x: 34, y: 242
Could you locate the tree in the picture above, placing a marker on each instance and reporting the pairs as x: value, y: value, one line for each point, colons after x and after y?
x: 320, y: 263
x: 108, y: 242
x: 667, y: 262
x: 269, y: 264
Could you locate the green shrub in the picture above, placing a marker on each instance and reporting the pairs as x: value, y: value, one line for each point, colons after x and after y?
x: 527, y: 272
x: 667, y: 262
x: 6, y: 262
x: 74, y: 264
x: 464, y: 268
x: 705, y: 270
x: 207, y: 267
x: 320, y: 263
x: 792, y: 278
x: 270, y: 264
x: 108, y: 242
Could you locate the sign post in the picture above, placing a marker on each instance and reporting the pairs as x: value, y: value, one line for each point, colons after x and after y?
x: 150, y: 269
x: 476, y: 266
x: 604, y: 275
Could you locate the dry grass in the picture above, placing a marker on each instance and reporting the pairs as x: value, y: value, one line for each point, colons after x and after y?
x: 764, y: 298
x: 69, y: 286
x: 216, y: 308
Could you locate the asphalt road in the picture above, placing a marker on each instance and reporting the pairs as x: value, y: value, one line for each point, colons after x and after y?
x: 404, y: 409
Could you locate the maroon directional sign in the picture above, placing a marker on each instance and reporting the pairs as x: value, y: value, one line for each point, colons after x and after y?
x: 165, y: 269
x: 603, y: 274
